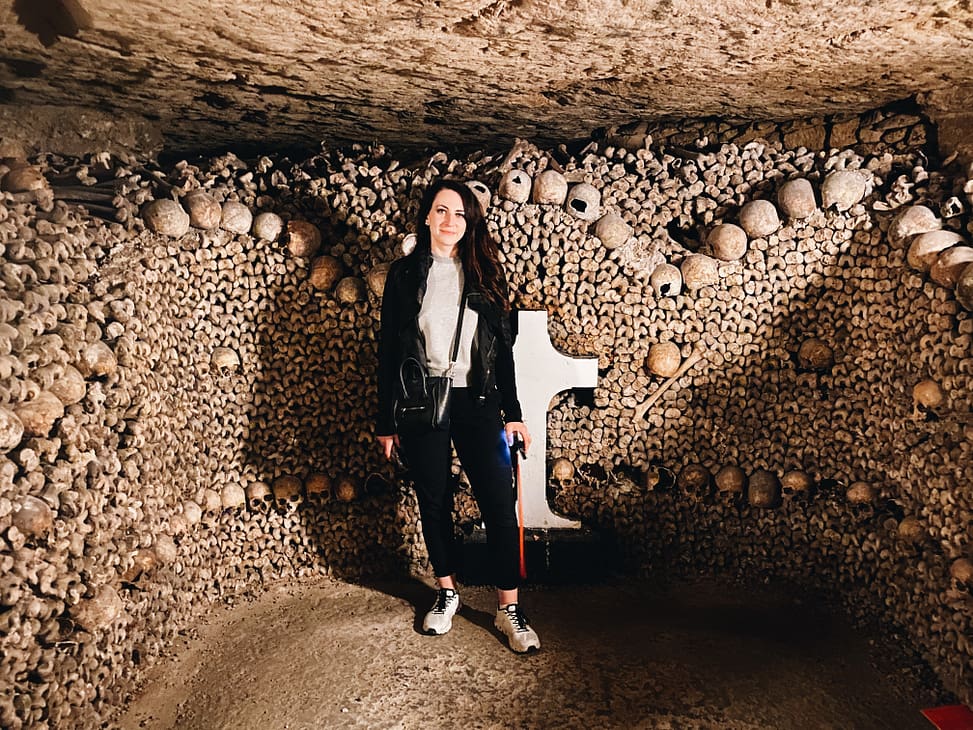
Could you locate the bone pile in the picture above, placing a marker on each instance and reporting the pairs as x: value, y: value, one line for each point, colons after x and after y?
x: 187, y: 380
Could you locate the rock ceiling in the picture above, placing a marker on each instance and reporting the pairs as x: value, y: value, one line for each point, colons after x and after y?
x: 417, y: 73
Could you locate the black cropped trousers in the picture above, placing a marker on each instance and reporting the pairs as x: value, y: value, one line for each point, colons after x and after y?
x: 477, y: 433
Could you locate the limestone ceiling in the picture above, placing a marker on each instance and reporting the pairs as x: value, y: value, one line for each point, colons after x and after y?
x: 420, y: 73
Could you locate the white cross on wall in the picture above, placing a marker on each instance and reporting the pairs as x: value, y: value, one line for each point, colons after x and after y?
x: 542, y: 373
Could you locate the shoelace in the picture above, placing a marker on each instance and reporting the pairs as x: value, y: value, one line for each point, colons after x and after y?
x: 442, y: 598
x: 518, y: 618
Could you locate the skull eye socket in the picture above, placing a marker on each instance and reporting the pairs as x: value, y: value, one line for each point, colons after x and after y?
x: 579, y: 205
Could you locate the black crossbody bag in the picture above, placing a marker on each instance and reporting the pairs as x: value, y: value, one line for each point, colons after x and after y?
x: 423, y: 403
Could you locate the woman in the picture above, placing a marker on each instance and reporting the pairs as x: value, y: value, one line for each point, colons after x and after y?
x: 420, y: 305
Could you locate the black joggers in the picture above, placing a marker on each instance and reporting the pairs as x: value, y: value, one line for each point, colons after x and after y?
x: 477, y: 433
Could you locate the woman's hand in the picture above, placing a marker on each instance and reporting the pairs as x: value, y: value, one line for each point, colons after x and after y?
x: 517, y: 427
x: 388, y: 444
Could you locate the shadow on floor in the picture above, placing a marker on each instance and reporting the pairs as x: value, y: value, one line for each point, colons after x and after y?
x: 621, y: 654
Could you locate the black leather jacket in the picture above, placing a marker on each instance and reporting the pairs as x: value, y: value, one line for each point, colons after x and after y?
x: 492, y: 363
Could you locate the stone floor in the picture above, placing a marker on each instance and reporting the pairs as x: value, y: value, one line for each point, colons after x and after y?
x: 615, y: 655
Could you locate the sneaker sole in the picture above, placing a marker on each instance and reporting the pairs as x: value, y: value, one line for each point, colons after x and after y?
x: 433, y: 632
x: 527, y: 651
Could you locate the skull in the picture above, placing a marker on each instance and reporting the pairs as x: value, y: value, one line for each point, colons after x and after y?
x: 912, y: 221
x: 927, y: 395
x: 764, y: 489
x: 166, y: 217
x: 728, y: 242
x: 97, y: 360
x: 584, y: 202
x: 232, y: 496
x: 861, y: 493
x: 663, y: 359
x: 99, y: 611
x: 325, y: 272
x: 258, y: 495
x: 731, y: 481
x: 33, y: 517
x: 346, y: 489
x: 796, y: 199
x: 759, y: 218
x: 22, y: 178
x: 515, y: 186
x: 961, y: 570
x: 192, y: 512
x: 287, y: 490
x: 843, y: 189
x: 550, y: 188
x: 815, y: 354
x: 236, y: 217
x: 612, y: 230
x: 562, y: 473
x: 268, y: 226
x: 964, y: 288
x: 694, y: 479
x: 949, y: 265
x: 69, y: 385
x: 351, y: 289
x: 796, y: 483
x: 666, y: 280
x: 204, y: 210
x: 925, y: 248
x: 482, y: 193
x: 210, y: 501
x: 165, y: 549
x: 698, y: 271
x: 39, y: 414
x: 303, y: 238
x: 318, y: 486
x: 376, y: 279
x: 224, y: 359
x: 143, y: 561
x: 911, y: 531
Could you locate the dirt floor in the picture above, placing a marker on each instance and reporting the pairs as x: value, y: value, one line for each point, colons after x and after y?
x: 615, y: 655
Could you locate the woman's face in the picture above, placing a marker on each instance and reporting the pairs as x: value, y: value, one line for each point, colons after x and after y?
x: 447, y: 222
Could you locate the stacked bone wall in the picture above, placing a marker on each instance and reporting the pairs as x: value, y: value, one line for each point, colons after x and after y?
x: 188, y: 386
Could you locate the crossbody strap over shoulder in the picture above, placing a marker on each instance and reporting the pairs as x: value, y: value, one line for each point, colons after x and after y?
x: 456, y: 337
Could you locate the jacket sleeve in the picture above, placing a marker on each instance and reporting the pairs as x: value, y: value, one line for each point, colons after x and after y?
x: 506, y: 378
x: 388, y: 355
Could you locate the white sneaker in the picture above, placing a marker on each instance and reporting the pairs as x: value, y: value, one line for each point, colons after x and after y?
x: 439, y: 620
x: 512, y: 622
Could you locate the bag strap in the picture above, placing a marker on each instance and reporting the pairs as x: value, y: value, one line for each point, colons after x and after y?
x: 456, y: 336
x: 415, y: 369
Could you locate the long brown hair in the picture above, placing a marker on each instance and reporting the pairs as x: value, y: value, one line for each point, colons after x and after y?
x: 477, y: 249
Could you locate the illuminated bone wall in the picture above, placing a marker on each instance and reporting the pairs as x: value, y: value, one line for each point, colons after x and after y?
x: 187, y: 358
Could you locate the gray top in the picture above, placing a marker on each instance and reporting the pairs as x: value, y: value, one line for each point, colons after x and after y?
x: 437, y: 320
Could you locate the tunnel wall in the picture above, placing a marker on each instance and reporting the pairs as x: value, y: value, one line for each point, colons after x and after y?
x: 188, y: 401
